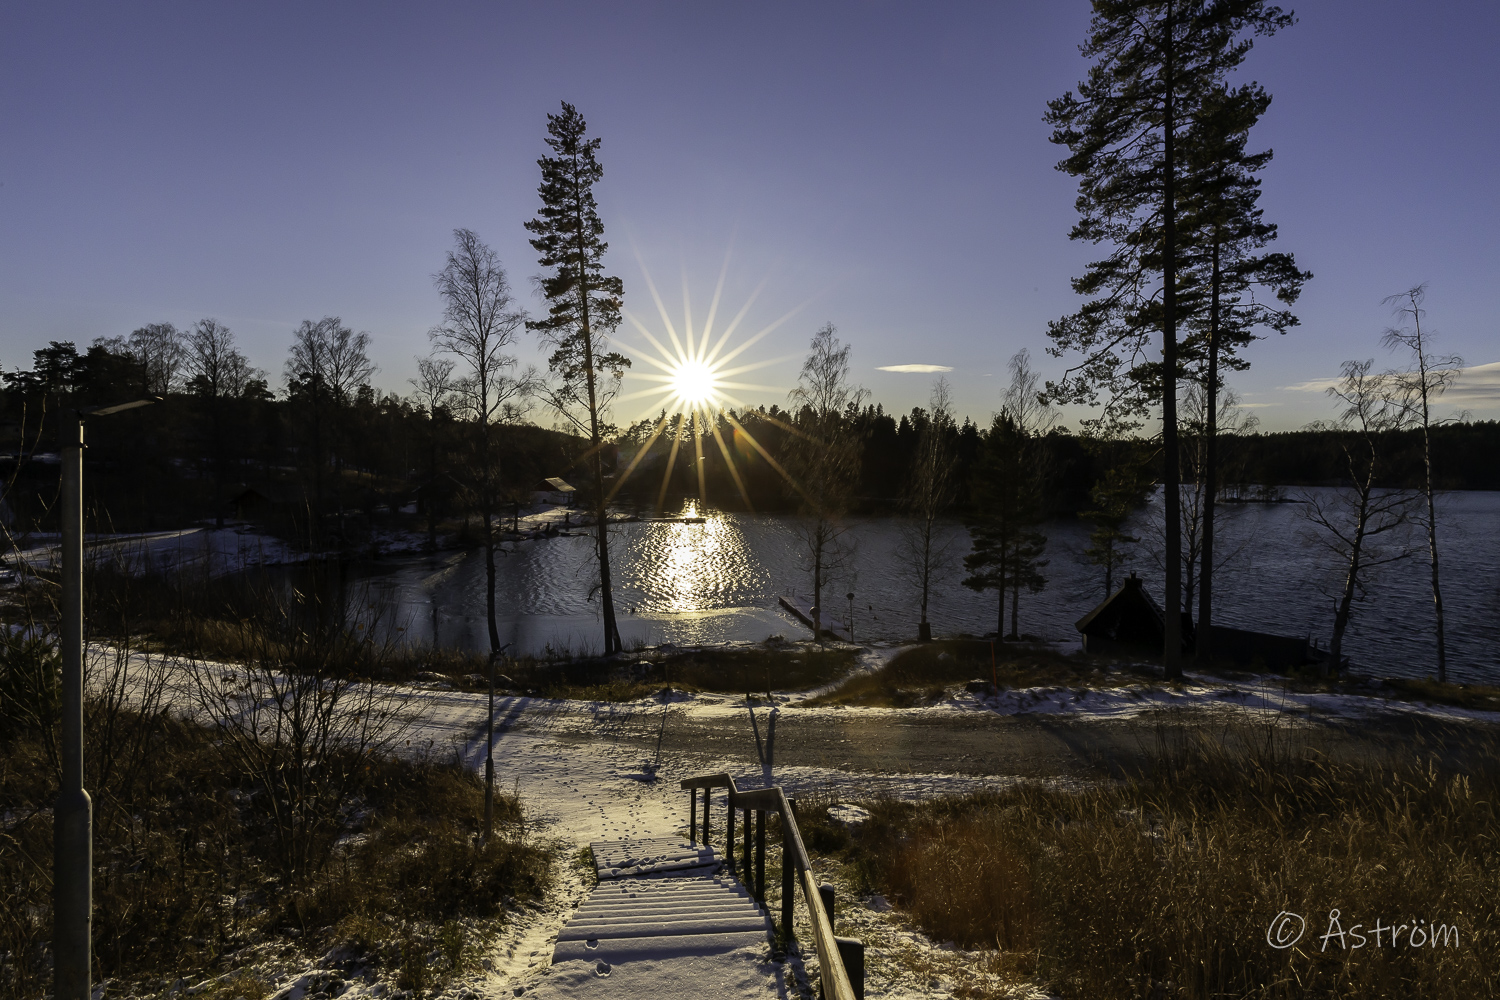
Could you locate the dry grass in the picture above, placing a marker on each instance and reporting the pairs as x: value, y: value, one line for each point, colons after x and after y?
x: 186, y: 874
x: 1165, y: 886
x: 734, y: 670
x: 1481, y: 696
x: 921, y: 675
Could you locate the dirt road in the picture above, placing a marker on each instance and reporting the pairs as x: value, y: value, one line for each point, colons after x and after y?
x: 1036, y: 746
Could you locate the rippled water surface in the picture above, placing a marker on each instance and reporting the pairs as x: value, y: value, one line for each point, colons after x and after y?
x: 719, y: 580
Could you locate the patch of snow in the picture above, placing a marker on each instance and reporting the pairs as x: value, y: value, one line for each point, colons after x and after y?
x: 849, y: 816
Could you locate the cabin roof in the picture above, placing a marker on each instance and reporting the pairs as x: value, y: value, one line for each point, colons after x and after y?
x: 275, y: 493
x: 1131, y: 616
x: 1131, y: 599
x: 554, y: 484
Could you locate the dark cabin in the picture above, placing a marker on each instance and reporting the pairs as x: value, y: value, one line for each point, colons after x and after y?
x: 1262, y: 650
x: 271, y: 504
x: 554, y: 490
x: 1128, y: 623
x: 437, y: 497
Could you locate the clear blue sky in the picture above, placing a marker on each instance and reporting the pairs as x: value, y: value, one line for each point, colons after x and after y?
x: 885, y: 166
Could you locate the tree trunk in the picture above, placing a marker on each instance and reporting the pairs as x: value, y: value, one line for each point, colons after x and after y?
x: 1172, y: 644
x: 1437, y: 593
x: 1351, y: 581
x: 1203, y: 652
x: 924, y: 630
x: 1000, y: 589
x: 1015, y: 611
x: 612, y: 642
x: 489, y: 582
x: 1432, y: 549
x: 315, y: 529
x: 218, y: 436
x: 818, y: 580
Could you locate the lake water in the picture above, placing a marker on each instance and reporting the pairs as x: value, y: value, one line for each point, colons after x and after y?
x: 720, y: 580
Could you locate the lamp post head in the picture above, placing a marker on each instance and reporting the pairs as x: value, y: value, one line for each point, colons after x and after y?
x: 104, y: 411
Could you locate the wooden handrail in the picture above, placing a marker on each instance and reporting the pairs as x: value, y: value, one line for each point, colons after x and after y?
x: 831, y: 969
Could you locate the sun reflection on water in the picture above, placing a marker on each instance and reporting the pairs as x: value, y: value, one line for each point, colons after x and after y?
x: 687, y: 568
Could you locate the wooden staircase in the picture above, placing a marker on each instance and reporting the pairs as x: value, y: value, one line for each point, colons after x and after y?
x: 657, y: 900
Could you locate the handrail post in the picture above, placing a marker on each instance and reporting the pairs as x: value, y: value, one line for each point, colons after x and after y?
x: 708, y: 794
x: 760, y: 856
x: 788, y: 878
x: 852, y: 954
x: 749, y: 873
x: 693, y: 816
x: 729, y: 834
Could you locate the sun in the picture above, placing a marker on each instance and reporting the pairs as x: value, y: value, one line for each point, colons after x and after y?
x: 695, y: 383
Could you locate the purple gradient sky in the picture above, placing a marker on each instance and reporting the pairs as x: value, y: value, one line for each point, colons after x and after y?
x: 884, y: 166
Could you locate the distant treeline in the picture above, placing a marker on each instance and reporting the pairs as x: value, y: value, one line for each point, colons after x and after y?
x: 1465, y: 456
x: 341, y: 454
x: 311, y: 452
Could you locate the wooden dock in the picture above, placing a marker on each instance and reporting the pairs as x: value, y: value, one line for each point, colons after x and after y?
x: 800, y: 608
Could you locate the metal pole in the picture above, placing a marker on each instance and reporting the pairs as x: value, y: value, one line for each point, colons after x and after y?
x: 489, y: 759
x: 73, y: 819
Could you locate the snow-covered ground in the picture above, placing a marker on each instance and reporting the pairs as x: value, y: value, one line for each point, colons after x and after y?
x: 578, y: 785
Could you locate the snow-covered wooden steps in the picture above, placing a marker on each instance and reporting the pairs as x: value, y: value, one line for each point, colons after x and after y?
x: 625, y: 858
x: 662, y: 920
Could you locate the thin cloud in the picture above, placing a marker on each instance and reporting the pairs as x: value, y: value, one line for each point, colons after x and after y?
x: 916, y: 369
x: 1315, y: 385
x: 1476, y: 384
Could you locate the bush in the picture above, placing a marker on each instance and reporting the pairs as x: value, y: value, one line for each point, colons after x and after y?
x: 186, y: 869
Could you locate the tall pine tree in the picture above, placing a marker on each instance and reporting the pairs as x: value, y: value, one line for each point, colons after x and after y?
x: 583, y: 307
x: 1221, y: 191
x: 1156, y: 62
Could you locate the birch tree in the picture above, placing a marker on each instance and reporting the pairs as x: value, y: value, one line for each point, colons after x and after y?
x: 929, y: 492
x: 1418, y: 387
x: 480, y: 323
x: 218, y: 374
x: 1357, y: 521
x: 823, y: 457
x: 327, y: 364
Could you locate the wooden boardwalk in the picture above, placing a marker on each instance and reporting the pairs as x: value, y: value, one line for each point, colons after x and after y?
x: 664, y: 918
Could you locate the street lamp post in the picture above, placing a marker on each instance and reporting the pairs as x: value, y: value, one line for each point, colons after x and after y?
x: 73, y: 816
